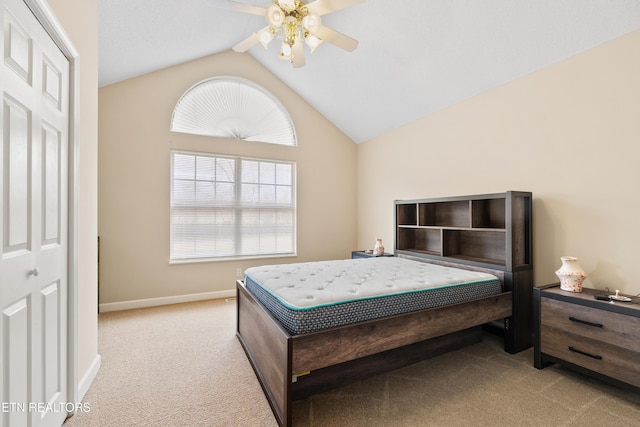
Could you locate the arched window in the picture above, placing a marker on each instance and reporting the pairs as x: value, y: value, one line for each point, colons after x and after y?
x: 233, y: 107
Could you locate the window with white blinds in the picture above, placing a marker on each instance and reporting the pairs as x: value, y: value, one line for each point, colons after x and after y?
x: 226, y: 207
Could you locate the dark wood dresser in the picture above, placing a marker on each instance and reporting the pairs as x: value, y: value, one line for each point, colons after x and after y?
x: 594, y: 337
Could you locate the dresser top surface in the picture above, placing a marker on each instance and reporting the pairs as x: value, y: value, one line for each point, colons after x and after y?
x: 587, y: 298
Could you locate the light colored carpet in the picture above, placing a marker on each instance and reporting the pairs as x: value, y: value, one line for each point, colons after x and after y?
x: 181, y: 365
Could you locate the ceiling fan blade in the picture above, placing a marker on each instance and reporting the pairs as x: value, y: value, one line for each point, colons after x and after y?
x: 322, y: 7
x: 336, y: 38
x: 238, y: 7
x: 247, y: 43
x: 297, y: 52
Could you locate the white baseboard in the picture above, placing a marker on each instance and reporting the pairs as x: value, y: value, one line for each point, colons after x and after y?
x: 153, y: 302
x: 88, y: 377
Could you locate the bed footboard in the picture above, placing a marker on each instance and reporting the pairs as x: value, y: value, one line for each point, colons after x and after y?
x: 355, y: 350
x: 268, y: 347
x: 332, y: 346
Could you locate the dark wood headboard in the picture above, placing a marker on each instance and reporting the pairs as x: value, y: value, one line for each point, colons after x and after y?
x: 486, y: 232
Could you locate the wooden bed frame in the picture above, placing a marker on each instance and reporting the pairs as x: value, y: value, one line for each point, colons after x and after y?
x: 291, y: 367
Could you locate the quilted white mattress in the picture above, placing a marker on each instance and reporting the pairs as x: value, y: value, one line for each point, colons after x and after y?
x: 316, y: 295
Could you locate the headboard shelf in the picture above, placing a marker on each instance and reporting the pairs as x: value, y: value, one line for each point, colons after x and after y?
x: 487, y: 230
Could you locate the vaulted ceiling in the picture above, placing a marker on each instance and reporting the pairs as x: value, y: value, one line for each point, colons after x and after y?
x: 415, y: 57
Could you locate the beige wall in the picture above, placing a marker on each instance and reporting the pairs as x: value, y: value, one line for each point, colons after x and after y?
x: 84, y: 34
x: 569, y: 133
x: 134, y: 148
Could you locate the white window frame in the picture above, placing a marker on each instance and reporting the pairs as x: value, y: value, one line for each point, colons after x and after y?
x: 237, y: 206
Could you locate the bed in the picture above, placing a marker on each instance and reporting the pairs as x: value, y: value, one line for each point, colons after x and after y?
x: 294, y: 358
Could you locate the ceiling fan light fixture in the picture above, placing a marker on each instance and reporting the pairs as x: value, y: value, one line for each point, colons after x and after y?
x: 288, y: 5
x: 285, y: 52
x: 312, y: 23
x: 265, y: 36
x: 294, y: 23
x: 275, y: 16
x: 313, y: 42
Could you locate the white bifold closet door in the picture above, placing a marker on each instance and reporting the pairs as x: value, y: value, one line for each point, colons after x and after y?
x: 34, y: 118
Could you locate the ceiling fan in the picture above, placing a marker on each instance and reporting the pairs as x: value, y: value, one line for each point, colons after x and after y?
x: 294, y: 23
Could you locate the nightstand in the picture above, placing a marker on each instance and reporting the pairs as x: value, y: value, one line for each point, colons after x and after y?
x: 594, y: 337
x: 364, y: 254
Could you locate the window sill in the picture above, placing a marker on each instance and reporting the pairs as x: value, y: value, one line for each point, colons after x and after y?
x: 231, y: 258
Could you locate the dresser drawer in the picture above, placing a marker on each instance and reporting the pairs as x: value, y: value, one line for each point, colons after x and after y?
x: 612, y: 328
x: 597, y: 356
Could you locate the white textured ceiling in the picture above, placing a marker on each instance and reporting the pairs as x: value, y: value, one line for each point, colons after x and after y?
x: 415, y: 57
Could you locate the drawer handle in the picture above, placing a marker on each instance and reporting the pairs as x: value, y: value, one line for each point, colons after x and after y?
x: 584, y: 322
x: 593, y: 356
